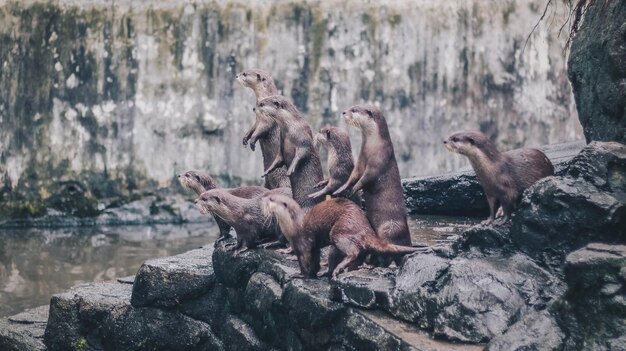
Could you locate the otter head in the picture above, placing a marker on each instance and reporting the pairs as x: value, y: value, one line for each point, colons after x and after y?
x: 365, y: 117
x: 195, y: 180
x: 277, y: 107
x: 211, y: 201
x: 323, y: 136
x: 286, y: 210
x: 258, y: 80
x: 470, y: 144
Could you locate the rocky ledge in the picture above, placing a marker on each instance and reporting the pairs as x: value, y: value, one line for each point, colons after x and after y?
x: 554, y: 277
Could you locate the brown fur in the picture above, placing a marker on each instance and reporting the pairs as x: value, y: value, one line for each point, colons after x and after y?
x: 264, y: 130
x: 503, y: 175
x: 297, y: 151
x: 200, y: 182
x: 376, y: 172
x: 259, y: 81
x: 244, y: 215
x: 340, y: 162
x: 337, y: 222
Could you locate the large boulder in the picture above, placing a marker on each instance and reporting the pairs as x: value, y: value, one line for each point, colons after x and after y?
x: 560, y: 214
x: 470, y: 298
x: 597, y: 71
x: 24, y: 331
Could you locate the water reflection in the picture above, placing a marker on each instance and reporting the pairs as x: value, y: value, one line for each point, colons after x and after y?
x: 36, y: 263
x: 432, y: 230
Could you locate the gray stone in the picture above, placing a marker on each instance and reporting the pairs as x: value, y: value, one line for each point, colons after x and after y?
x: 597, y: 71
x: 536, y: 331
x: 363, y: 288
x: 24, y: 331
x: 168, y: 281
x: 238, y: 335
x: 470, y: 299
x: 264, y: 305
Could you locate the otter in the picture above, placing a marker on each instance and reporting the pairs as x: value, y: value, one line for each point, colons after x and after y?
x: 200, y: 182
x: 376, y: 173
x: 337, y: 222
x: 243, y: 214
x: 297, y: 150
x: 503, y: 175
x: 264, y: 130
x: 259, y: 81
x: 340, y: 162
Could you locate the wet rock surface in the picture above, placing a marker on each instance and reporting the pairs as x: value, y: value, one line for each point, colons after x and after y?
x: 597, y: 71
x: 459, y: 193
x: 24, y: 331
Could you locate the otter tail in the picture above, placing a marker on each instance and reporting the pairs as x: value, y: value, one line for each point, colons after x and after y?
x: 387, y: 248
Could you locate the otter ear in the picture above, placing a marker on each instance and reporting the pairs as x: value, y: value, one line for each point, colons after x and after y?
x: 277, y: 104
x: 258, y: 76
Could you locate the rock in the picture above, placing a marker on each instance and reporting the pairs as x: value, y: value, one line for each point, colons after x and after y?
x: 485, y: 238
x: 597, y: 71
x: 170, y: 280
x: 24, y: 331
x: 363, y: 288
x: 460, y: 194
x: 373, y: 330
x: 470, y: 299
x: 235, y: 270
x: 535, y: 331
x: 592, y: 312
x: 560, y: 214
x: 99, y: 316
x: 238, y: 335
x: 209, y: 308
x: 263, y: 297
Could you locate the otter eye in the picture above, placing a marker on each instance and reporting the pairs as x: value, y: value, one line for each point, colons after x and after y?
x: 217, y: 199
x: 455, y: 139
x: 470, y: 140
x: 197, y: 178
x: 369, y: 113
x: 285, y: 204
x: 204, y: 198
x: 328, y: 134
x: 258, y: 76
x: 277, y: 104
x: 244, y: 74
x: 261, y: 104
x: 353, y: 110
x: 264, y: 79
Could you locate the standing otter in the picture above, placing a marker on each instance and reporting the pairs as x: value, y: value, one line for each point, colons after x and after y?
x: 200, y: 182
x: 264, y: 130
x: 503, y: 175
x: 259, y: 81
x: 267, y: 132
x: 297, y: 150
x: 340, y: 163
x: 242, y: 214
x: 376, y: 172
x: 337, y: 222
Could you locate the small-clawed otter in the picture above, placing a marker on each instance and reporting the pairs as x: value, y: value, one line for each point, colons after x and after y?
x: 200, y: 182
x: 259, y: 81
x: 267, y: 132
x: 244, y: 215
x: 337, y: 222
x: 297, y: 150
x: 503, y: 175
x: 376, y: 172
x: 340, y: 162
x: 264, y: 130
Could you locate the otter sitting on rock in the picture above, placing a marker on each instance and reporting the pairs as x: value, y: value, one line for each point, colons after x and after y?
x: 242, y: 214
x: 337, y: 222
x: 503, y: 175
x: 340, y: 162
x: 200, y: 182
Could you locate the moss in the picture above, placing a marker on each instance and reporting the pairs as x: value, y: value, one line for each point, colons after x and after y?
x: 319, y: 30
x: 394, y: 19
x: 509, y: 8
x: 81, y: 344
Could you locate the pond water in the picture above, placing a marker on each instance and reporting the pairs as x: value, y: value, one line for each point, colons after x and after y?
x: 37, y: 263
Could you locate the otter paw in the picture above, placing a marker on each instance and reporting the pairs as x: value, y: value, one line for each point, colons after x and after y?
x: 286, y: 251
x: 252, y: 146
x: 487, y: 222
x: 324, y: 262
x: 292, y: 258
x: 245, y: 141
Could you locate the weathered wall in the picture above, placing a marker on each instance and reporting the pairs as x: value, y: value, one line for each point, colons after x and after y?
x: 122, y: 97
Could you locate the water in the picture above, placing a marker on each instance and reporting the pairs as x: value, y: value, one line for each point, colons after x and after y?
x: 433, y: 230
x: 37, y: 263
